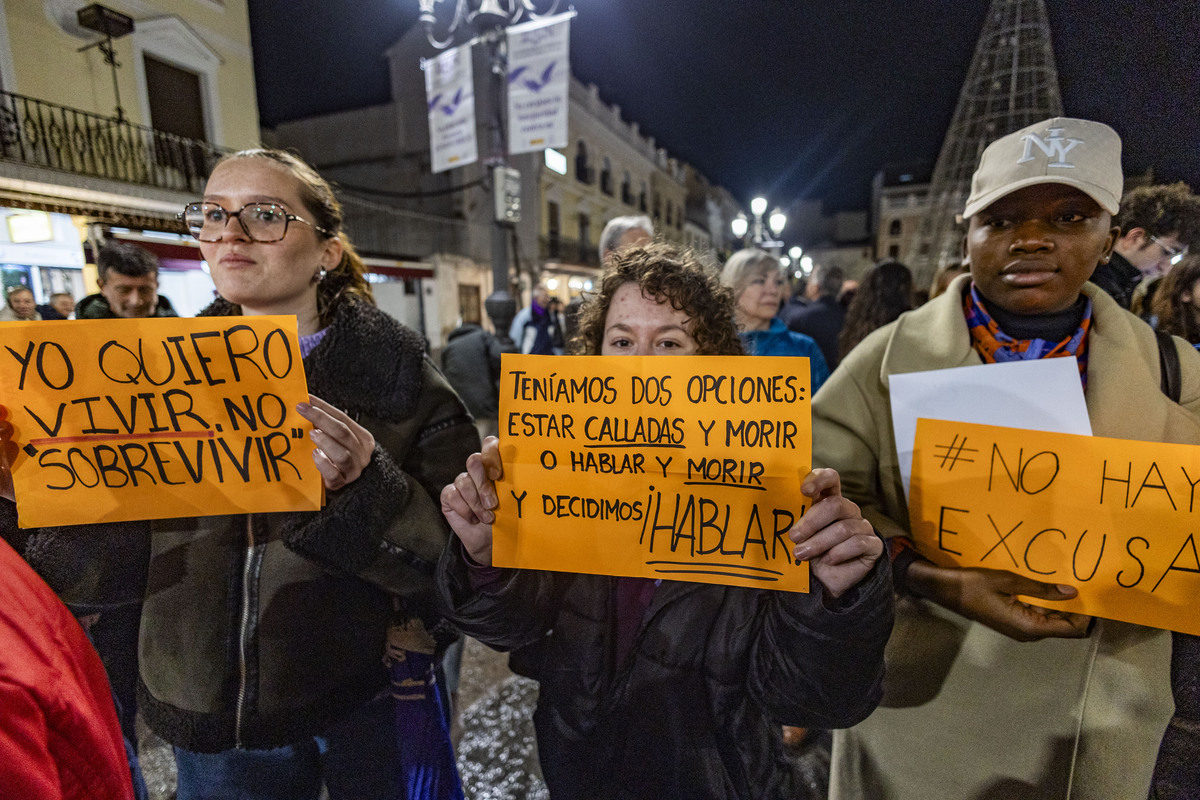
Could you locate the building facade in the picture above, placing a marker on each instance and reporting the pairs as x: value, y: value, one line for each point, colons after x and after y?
x: 94, y: 147
x: 380, y: 155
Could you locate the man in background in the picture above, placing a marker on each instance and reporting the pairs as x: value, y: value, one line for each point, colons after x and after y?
x: 1158, y: 226
x: 60, y: 306
x: 623, y: 232
x: 823, y: 316
x: 536, y: 328
x: 128, y: 281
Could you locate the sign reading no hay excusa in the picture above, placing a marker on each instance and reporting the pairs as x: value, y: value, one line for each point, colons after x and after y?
x: 1116, y: 519
x: 153, y: 418
x: 676, y: 467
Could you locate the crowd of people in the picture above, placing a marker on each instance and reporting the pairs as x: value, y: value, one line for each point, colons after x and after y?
x: 254, y: 643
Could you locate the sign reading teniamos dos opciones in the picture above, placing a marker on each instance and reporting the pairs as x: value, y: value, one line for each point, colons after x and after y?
x: 677, y: 467
x: 1116, y: 519
x: 155, y: 418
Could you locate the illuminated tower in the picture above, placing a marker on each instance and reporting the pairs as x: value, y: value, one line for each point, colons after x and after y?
x: 1012, y: 83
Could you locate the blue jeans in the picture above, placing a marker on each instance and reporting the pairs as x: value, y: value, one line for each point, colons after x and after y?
x: 354, y: 758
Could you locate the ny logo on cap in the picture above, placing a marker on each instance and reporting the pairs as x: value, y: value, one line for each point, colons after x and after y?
x: 1053, y: 146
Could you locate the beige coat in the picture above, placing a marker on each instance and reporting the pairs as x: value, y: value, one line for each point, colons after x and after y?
x: 968, y: 712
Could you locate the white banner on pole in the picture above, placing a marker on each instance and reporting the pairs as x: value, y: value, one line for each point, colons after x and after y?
x: 450, y: 97
x: 538, y: 81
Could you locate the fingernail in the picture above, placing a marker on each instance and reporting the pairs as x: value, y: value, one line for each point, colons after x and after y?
x: 807, y: 489
x: 1062, y: 587
x: 803, y: 552
x: 303, y: 408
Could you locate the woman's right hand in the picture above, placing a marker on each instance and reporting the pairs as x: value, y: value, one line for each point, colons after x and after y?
x: 469, y: 502
x: 991, y: 597
x: 8, y: 454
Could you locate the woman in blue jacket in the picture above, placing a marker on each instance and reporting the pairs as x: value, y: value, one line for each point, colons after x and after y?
x: 756, y: 278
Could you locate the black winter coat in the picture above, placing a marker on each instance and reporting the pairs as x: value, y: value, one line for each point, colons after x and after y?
x: 695, y: 710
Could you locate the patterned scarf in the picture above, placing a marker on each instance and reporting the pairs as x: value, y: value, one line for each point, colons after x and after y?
x: 995, y: 346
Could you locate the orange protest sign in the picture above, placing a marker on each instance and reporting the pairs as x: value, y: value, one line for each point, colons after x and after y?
x: 151, y: 418
x: 1116, y: 519
x: 677, y: 467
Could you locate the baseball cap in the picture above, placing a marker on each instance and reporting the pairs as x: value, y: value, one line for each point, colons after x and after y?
x: 1077, y: 152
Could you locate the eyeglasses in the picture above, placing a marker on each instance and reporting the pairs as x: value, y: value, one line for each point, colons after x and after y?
x: 1176, y: 254
x: 262, y: 222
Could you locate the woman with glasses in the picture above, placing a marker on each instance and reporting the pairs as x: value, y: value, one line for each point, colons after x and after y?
x: 263, y: 635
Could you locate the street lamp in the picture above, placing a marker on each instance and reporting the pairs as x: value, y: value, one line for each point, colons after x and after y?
x: 487, y: 20
x: 764, y: 235
x: 740, y: 225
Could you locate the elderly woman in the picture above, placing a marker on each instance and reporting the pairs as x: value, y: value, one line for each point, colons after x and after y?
x: 756, y: 278
x: 662, y: 688
x: 19, y: 306
x: 989, y: 693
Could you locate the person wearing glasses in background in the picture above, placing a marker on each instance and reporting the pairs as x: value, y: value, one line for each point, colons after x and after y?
x: 263, y: 635
x: 1158, y: 224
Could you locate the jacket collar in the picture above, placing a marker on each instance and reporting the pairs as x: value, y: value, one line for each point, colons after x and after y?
x: 368, y: 363
x: 933, y: 336
x: 1122, y: 365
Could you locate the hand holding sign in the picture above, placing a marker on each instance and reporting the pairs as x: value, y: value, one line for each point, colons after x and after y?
x: 468, y: 502
x: 344, y: 447
x: 991, y: 597
x: 840, y: 546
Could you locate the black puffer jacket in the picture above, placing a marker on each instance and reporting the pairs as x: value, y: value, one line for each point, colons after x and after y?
x: 695, y: 710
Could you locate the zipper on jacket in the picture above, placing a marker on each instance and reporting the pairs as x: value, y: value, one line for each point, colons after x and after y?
x: 244, y: 632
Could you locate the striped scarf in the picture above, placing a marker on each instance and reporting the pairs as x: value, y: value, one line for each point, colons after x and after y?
x: 996, y: 347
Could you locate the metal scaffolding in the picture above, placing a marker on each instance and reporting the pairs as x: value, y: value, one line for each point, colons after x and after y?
x: 1012, y: 83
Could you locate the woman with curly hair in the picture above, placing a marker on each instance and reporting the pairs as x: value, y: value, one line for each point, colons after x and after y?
x: 1176, y: 303
x: 659, y: 688
x: 885, y: 293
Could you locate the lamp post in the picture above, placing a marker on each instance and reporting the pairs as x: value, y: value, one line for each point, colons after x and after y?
x: 764, y: 235
x: 487, y: 20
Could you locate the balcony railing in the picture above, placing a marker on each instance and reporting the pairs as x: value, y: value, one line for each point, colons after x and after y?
x: 571, y: 251
x: 41, y: 134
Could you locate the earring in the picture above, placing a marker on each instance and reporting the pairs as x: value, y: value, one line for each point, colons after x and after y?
x: 319, y: 275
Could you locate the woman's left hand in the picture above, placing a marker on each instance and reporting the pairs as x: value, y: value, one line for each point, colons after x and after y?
x: 840, y: 546
x: 343, y: 447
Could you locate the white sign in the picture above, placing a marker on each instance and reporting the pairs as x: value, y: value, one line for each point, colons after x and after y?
x: 538, y: 82
x: 1041, y: 395
x: 450, y: 98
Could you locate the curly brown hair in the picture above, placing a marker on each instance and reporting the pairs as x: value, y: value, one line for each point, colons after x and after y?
x: 671, y: 274
x: 348, y: 278
x: 1177, y: 315
x: 1165, y: 210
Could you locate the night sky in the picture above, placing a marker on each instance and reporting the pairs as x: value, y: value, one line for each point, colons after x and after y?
x: 786, y: 98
